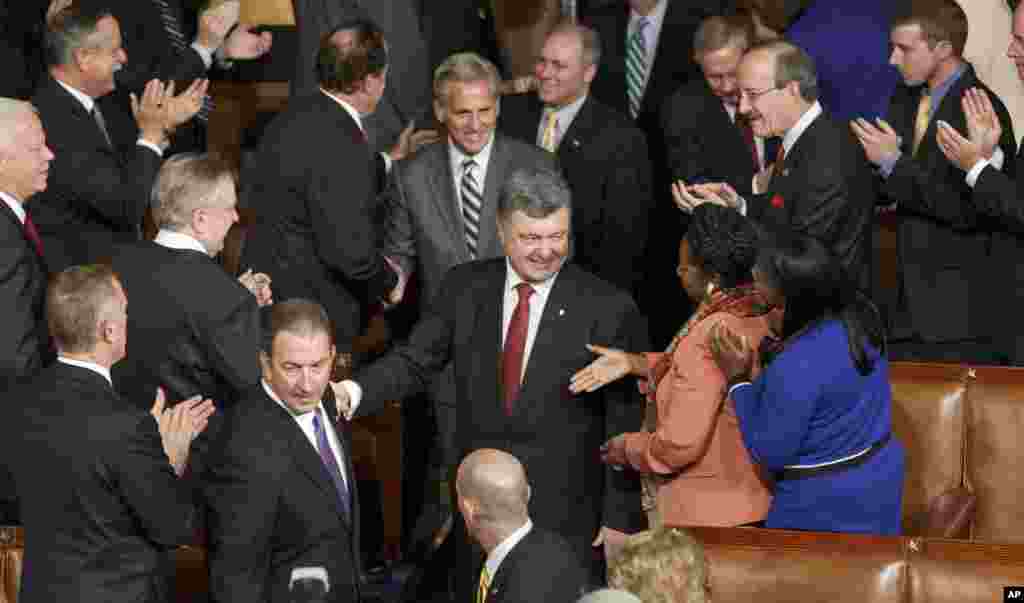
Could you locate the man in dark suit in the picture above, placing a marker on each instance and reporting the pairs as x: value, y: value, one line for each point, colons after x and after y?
x: 603, y: 156
x: 408, y: 96
x: 105, y: 164
x: 945, y: 246
x: 820, y: 184
x: 512, y: 359
x: 24, y: 158
x: 111, y: 504
x: 429, y: 230
x: 171, y: 41
x: 313, y: 186
x: 524, y: 563
x: 281, y: 492
x: 996, y: 193
x: 186, y: 343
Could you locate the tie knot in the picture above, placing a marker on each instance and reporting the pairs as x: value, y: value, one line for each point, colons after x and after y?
x: 642, y: 24
x: 468, y: 164
x: 525, y: 290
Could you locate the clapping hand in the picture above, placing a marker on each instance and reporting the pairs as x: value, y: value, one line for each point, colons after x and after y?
x: 181, y: 108
x: 245, y: 43
x: 732, y: 353
x: 180, y: 425
x: 342, y: 401
x: 259, y: 285
x: 983, y: 132
x: 610, y: 365
x: 148, y: 111
x: 55, y: 7
x: 881, y: 143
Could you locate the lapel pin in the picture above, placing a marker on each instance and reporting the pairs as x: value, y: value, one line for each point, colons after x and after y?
x: 561, y: 311
x: 575, y: 143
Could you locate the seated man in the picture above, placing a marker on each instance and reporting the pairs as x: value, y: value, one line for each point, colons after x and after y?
x: 104, y: 163
x: 100, y: 495
x: 197, y: 329
x: 666, y: 565
x: 524, y: 564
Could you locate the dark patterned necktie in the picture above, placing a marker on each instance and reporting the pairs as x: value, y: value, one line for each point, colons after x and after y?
x: 515, y: 346
x: 472, y: 203
x: 330, y: 462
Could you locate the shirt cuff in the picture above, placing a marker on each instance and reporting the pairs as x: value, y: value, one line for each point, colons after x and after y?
x: 355, y: 396
x: 972, y: 175
x: 889, y: 164
x: 387, y: 162
x: 150, y: 146
x: 997, y: 159
x: 206, y: 54
x: 743, y: 205
x: 736, y: 385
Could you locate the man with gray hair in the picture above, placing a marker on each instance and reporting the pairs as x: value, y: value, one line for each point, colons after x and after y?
x: 105, y: 162
x: 820, y: 183
x: 515, y: 329
x: 196, y: 329
x: 603, y: 155
x: 442, y: 213
x: 524, y: 563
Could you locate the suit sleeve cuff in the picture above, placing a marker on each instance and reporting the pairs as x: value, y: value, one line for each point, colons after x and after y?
x: 150, y: 146
x: 888, y: 164
x: 206, y: 54
x: 975, y: 172
x: 387, y: 162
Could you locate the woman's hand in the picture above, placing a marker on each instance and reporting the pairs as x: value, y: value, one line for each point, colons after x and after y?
x: 732, y: 353
x: 611, y: 365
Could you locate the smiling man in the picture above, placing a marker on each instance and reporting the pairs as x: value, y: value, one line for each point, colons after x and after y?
x: 515, y: 329
x: 821, y: 183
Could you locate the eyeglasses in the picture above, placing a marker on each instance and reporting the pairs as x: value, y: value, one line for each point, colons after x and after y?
x: 754, y: 95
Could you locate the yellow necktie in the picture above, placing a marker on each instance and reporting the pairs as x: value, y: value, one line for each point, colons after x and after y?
x: 485, y: 583
x: 547, y: 140
x: 924, y: 110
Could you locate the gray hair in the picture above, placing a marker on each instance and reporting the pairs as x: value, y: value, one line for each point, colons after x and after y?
x: 71, y: 30
x: 609, y: 595
x: 465, y: 67
x: 537, y: 192
x: 590, y: 40
x: 12, y: 114
x: 718, y: 32
x: 186, y: 182
x: 792, y: 64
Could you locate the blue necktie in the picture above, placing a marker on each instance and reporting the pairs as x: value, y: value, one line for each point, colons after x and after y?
x: 327, y: 456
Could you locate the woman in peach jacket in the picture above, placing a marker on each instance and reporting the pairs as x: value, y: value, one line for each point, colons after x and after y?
x: 695, y: 467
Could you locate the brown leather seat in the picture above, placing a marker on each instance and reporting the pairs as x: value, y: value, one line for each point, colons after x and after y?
x: 12, y: 555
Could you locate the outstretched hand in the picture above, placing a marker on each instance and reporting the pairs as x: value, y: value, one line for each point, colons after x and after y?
x: 610, y: 366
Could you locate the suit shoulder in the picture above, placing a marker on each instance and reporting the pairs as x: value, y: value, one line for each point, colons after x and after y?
x: 596, y: 289
x: 524, y: 154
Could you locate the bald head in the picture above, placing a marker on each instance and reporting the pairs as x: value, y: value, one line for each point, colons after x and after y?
x: 496, y: 482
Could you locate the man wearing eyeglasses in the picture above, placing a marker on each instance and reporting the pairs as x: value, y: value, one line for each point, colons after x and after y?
x: 820, y: 183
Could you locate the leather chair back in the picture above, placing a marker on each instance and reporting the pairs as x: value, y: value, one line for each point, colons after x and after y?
x: 956, y: 571
x: 995, y: 453
x: 929, y: 403
x: 12, y: 555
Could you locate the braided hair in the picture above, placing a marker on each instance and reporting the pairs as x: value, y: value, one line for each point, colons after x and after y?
x: 724, y: 243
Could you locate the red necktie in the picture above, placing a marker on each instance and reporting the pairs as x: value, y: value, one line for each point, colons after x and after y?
x: 32, y: 234
x: 748, y: 136
x: 515, y: 345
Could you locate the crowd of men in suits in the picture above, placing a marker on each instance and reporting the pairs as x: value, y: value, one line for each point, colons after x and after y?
x: 529, y: 224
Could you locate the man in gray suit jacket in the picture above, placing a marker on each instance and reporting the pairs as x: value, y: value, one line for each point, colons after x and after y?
x: 443, y: 211
x: 407, y: 95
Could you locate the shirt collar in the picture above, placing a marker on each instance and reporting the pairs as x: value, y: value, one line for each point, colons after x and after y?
x: 92, y: 366
x: 793, y: 134
x: 939, y: 92
x: 458, y: 156
x: 498, y: 554
x: 87, y: 101
x: 512, y: 279
x: 655, y: 18
x: 178, y: 240
x: 298, y: 416
x: 347, y: 107
x: 15, y: 205
x: 566, y: 113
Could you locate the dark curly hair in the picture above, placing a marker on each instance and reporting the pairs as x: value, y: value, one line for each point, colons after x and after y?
x: 724, y: 243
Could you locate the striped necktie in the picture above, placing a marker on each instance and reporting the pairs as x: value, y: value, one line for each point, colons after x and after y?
x: 172, y: 26
x: 549, y: 139
x: 472, y: 202
x: 636, y: 67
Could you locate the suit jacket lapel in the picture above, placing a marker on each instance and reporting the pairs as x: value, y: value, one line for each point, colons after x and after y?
x: 79, y: 113
x: 445, y: 196
x: 579, y: 130
x: 497, y: 170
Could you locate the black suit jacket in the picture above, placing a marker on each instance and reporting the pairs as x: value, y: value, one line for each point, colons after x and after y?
x: 192, y: 328
x: 25, y: 346
x: 555, y: 434
x: 703, y: 142
x: 605, y: 159
x: 824, y: 188
x: 313, y: 186
x: 109, y: 506
x: 541, y: 567
x: 944, y: 242
x: 96, y: 196
x: 273, y: 507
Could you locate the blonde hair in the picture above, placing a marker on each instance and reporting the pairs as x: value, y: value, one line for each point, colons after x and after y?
x: 665, y: 565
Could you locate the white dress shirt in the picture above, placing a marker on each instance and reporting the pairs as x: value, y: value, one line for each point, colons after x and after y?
x: 564, y: 116
x: 788, y: 140
x: 482, y: 158
x: 92, y: 366
x: 538, y: 300
x: 651, y: 35
x: 177, y: 240
x: 88, y: 102
x: 305, y: 423
x: 498, y: 553
x: 15, y: 206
